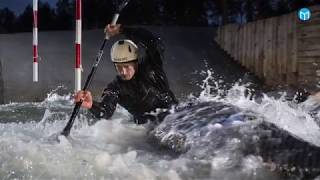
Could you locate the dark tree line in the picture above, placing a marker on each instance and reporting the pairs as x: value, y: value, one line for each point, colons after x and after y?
x: 96, y: 13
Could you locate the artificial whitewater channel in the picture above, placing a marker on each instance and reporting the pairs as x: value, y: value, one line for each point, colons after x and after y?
x: 212, y: 135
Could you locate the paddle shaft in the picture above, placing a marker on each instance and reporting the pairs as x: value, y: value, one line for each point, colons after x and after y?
x: 66, y: 130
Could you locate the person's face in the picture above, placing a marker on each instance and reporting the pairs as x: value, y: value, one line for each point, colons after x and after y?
x: 126, y: 70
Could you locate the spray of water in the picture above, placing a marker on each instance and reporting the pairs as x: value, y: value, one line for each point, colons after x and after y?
x: 119, y: 149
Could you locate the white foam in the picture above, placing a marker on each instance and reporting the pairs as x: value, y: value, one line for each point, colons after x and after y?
x: 116, y: 149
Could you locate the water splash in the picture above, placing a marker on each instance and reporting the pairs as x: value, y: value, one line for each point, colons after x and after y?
x: 119, y: 149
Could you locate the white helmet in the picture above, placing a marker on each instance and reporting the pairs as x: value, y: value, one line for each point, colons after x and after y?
x: 124, y: 51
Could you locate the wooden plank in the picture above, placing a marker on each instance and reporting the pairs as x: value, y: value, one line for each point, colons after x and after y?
x: 251, y: 32
x: 245, y: 38
x: 309, y: 53
x: 233, y: 44
x: 309, y: 32
x: 231, y: 39
x: 236, y: 41
x: 262, y: 48
x: 251, y: 64
x: 308, y: 79
x: 284, y: 46
x: 294, y: 44
x: 291, y: 76
x: 248, y: 46
x: 244, y: 45
x: 308, y: 29
x: 311, y: 22
x: 289, y: 42
x: 226, y: 34
x: 277, y: 46
x: 315, y: 60
x: 253, y: 47
x: 232, y: 35
x: 241, y: 45
x: 280, y: 45
x: 237, y: 44
x: 259, y: 49
x: 309, y: 44
x: 275, y: 65
x: 276, y: 52
x: 272, y: 70
x: 266, y: 59
x: 309, y: 68
x: 308, y: 65
x: 249, y: 39
x: 228, y: 38
x: 256, y: 49
x: 223, y: 37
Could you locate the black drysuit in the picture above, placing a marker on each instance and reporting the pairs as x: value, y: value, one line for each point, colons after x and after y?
x: 147, y: 90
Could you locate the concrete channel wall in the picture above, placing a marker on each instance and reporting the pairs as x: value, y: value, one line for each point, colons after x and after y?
x: 184, y: 56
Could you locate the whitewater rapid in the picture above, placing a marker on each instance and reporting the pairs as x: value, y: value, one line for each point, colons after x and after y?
x: 119, y: 149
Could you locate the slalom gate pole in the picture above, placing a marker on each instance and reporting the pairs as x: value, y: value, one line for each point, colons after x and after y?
x: 35, y: 41
x: 78, y: 63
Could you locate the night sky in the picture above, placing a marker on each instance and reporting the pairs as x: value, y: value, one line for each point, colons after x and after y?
x: 18, y: 6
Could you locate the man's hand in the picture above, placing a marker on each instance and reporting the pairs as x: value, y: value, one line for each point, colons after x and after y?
x: 86, y: 98
x: 112, y: 30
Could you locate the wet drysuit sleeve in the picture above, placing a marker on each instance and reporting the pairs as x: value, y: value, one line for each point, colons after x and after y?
x: 152, y: 45
x: 107, y: 106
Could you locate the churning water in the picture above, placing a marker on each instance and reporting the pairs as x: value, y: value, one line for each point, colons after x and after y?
x: 191, y: 143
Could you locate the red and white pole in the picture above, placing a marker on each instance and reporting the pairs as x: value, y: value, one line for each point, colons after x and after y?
x: 78, y: 65
x: 35, y: 41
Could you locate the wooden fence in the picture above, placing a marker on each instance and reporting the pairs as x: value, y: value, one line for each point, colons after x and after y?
x: 280, y: 50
